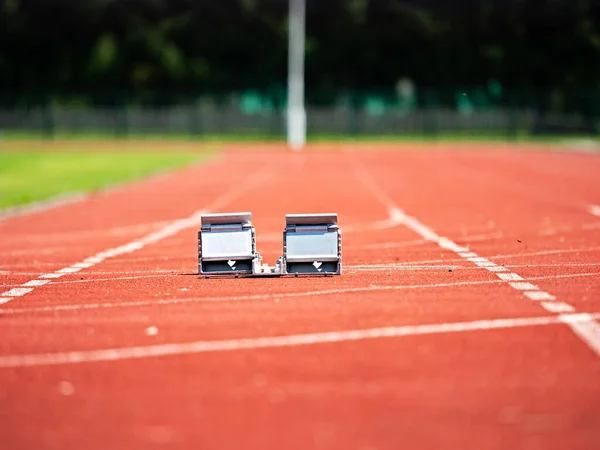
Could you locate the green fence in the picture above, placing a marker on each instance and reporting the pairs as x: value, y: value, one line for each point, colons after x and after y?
x: 404, y: 111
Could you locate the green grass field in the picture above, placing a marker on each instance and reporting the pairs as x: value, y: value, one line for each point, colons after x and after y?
x: 33, y: 168
x: 38, y: 172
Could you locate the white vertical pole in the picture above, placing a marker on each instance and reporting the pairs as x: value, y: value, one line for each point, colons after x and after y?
x: 296, y: 113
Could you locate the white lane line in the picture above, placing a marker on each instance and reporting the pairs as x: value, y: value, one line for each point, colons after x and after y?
x: 259, y: 297
x: 170, y: 229
x: 557, y: 307
x: 539, y: 295
x: 351, y: 269
x: 547, y: 252
x: 450, y: 245
x: 509, y: 276
x: 485, y: 264
x: 51, y: 275
x: 5, y: 300
x: 523, y: 286
x: 102, y: 280
x: 588, y: 330
x: 153, y: 351
x: 171, y: 273
x: 72, y: 269
x: 535, y: 266
x: 36, y: 283
x: 83, y: 265
x: 589, y: 333
x: 594, y: 210
x: 411, y: 265
x: 515, y: 255
x: 479, y: 259
x: 16, y: 292
x: 235, y: 298
x: 445, y: 260
x: 368, y: 267
x: 384, y: 245
x: 417, y: 242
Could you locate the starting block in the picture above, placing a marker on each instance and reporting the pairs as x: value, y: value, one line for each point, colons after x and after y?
x: 312, y: 246
x: 226, y: 244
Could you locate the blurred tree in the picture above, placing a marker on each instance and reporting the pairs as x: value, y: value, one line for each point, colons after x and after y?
x: 140, y: 46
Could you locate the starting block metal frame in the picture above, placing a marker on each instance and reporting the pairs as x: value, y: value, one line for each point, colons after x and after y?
x: 312, y: 246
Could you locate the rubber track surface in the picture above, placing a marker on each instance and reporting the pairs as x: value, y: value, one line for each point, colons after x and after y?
x: 414, y: 346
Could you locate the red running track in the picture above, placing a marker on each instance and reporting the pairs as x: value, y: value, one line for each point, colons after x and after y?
x: 466, y: 316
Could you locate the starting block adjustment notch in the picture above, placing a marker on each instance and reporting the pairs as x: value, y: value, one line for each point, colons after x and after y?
x: 312, y: 245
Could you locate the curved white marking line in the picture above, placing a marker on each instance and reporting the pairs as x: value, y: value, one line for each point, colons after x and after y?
x: 153, y: 351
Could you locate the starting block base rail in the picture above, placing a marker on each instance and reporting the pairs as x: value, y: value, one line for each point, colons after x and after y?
x: 312, y: 246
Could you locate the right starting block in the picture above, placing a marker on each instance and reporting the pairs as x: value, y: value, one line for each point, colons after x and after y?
x: 312, y: 246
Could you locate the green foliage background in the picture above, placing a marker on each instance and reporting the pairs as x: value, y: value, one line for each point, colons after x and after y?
x: 110, y: 49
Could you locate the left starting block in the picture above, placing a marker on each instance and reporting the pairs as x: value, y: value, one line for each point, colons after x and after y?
x: 312, y: 246
x: 226, y: 244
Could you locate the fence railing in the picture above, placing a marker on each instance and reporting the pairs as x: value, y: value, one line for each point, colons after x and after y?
x: 355, y: 114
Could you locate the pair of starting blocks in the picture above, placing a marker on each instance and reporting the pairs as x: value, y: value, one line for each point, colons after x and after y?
x: 312, y: 246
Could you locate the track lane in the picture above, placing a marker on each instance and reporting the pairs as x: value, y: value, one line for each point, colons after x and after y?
x: 487, y: 389
x: 381, y: 393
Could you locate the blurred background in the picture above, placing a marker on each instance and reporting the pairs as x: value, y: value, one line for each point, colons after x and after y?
x: 507, y: 69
